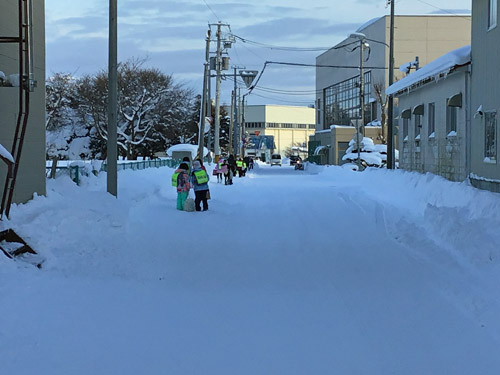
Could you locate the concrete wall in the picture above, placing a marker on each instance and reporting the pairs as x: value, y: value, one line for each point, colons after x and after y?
x: 485, y: 91
x: 439, y: 153
x: 31, y: 174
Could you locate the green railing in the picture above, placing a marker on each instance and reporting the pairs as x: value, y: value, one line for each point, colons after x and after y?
x: 144, y: 164
x: 76, y: 171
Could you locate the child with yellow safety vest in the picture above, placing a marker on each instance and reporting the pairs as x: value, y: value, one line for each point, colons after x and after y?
x: 200, y: 178
x: 180, y: 179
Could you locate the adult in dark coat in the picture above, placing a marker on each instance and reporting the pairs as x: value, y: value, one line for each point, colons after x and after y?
x: 231, y: 162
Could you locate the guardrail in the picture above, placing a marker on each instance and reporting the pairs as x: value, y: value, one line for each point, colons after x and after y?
x: 144, y: 164
x: 75, y: 171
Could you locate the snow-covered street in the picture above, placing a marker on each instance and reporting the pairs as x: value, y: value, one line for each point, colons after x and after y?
x: 322, y: 271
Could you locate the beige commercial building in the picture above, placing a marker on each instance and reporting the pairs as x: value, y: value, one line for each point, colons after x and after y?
x: 416, y: 38
x: 289, y: 125
x: 31, y: 170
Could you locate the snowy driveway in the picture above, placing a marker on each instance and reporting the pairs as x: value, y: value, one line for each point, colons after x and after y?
x: 323, y: 271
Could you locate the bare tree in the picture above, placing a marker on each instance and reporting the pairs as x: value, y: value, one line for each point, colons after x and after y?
x: 382, y: 99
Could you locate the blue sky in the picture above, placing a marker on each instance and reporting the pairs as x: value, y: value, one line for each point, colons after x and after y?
x: 170, y: 34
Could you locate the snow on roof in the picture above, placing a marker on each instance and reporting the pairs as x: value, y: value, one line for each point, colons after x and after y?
x: 318, y: 149
x: 6, y: 154
x: 186, y: 148
x: 341, y: 126
x: 368, y: 23
x: 375, y: 123
x: 442, y: 65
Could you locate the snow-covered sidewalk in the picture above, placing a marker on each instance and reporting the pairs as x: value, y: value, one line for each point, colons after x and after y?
x: 323, y: 271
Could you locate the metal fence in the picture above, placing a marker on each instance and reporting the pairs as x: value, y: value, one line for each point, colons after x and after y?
x: 144, y: 164
x: 76, y: 171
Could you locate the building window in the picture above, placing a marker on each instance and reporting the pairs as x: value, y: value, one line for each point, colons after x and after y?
x: 311, y: 127
x: 406, y: 121
x: 302, y: 126
x: 451, y: 120
x: 492, y: 14
x: 342, y: 101
x: 418, y: 125
x: 318, y: 110
x: 273, y: 125
x: 287, y: 126
x: 490, y: 131
x: 431, y: 125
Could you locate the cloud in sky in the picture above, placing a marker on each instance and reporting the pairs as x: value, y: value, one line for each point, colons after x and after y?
x: 171, y: 34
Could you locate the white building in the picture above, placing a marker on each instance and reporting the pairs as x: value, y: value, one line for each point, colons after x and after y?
x: 434, y: 121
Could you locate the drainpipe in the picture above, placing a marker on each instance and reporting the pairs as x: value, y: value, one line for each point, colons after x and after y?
x: 468, y: 124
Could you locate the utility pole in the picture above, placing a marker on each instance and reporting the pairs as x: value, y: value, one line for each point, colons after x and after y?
x: 204, y: 97
x: 390, y: 104
x: 218, y: 62
x: 242, y: 128
x: 231, y: 125
x: 235, y: 109
x: 362, y: 85
x: 361, y: 121
x: 243, y: 124
x: 112, y: 153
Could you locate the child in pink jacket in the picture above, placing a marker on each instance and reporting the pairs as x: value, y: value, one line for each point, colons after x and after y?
x: 183, y: 185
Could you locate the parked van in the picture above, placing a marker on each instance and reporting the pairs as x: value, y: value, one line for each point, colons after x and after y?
x: 275, y: 159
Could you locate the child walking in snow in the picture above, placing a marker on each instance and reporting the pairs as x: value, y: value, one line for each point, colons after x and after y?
x: 181, y: 181
x: 199, y: 178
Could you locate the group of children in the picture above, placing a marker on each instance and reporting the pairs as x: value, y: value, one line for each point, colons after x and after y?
x: 230, y: 167
x: 196, y: 177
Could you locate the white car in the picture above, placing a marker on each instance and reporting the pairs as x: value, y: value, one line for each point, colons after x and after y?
x: 275, y: 159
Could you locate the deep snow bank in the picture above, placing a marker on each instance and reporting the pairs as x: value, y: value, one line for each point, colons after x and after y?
x: 457, y: 216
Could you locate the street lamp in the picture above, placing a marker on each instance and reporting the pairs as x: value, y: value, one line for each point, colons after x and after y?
x: 362, y: 45
x: 248, y: 77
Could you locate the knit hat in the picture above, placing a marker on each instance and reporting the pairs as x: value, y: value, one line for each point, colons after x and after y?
x: 196, y: 164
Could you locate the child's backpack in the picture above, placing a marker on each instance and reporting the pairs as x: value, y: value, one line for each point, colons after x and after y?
x: 180, y: 180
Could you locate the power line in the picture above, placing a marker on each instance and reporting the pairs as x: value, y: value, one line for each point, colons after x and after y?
x: 286, y: 92
x: 323, y: 66
x: 441, y: 9
x: 285, y: 101
x: 296, y: 49
x: 209, y: 7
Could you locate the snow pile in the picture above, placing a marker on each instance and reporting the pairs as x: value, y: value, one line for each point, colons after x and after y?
x: 371, y: 154
x: 441, y: 66
x: 289, y: 272
x: 186, y: 147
